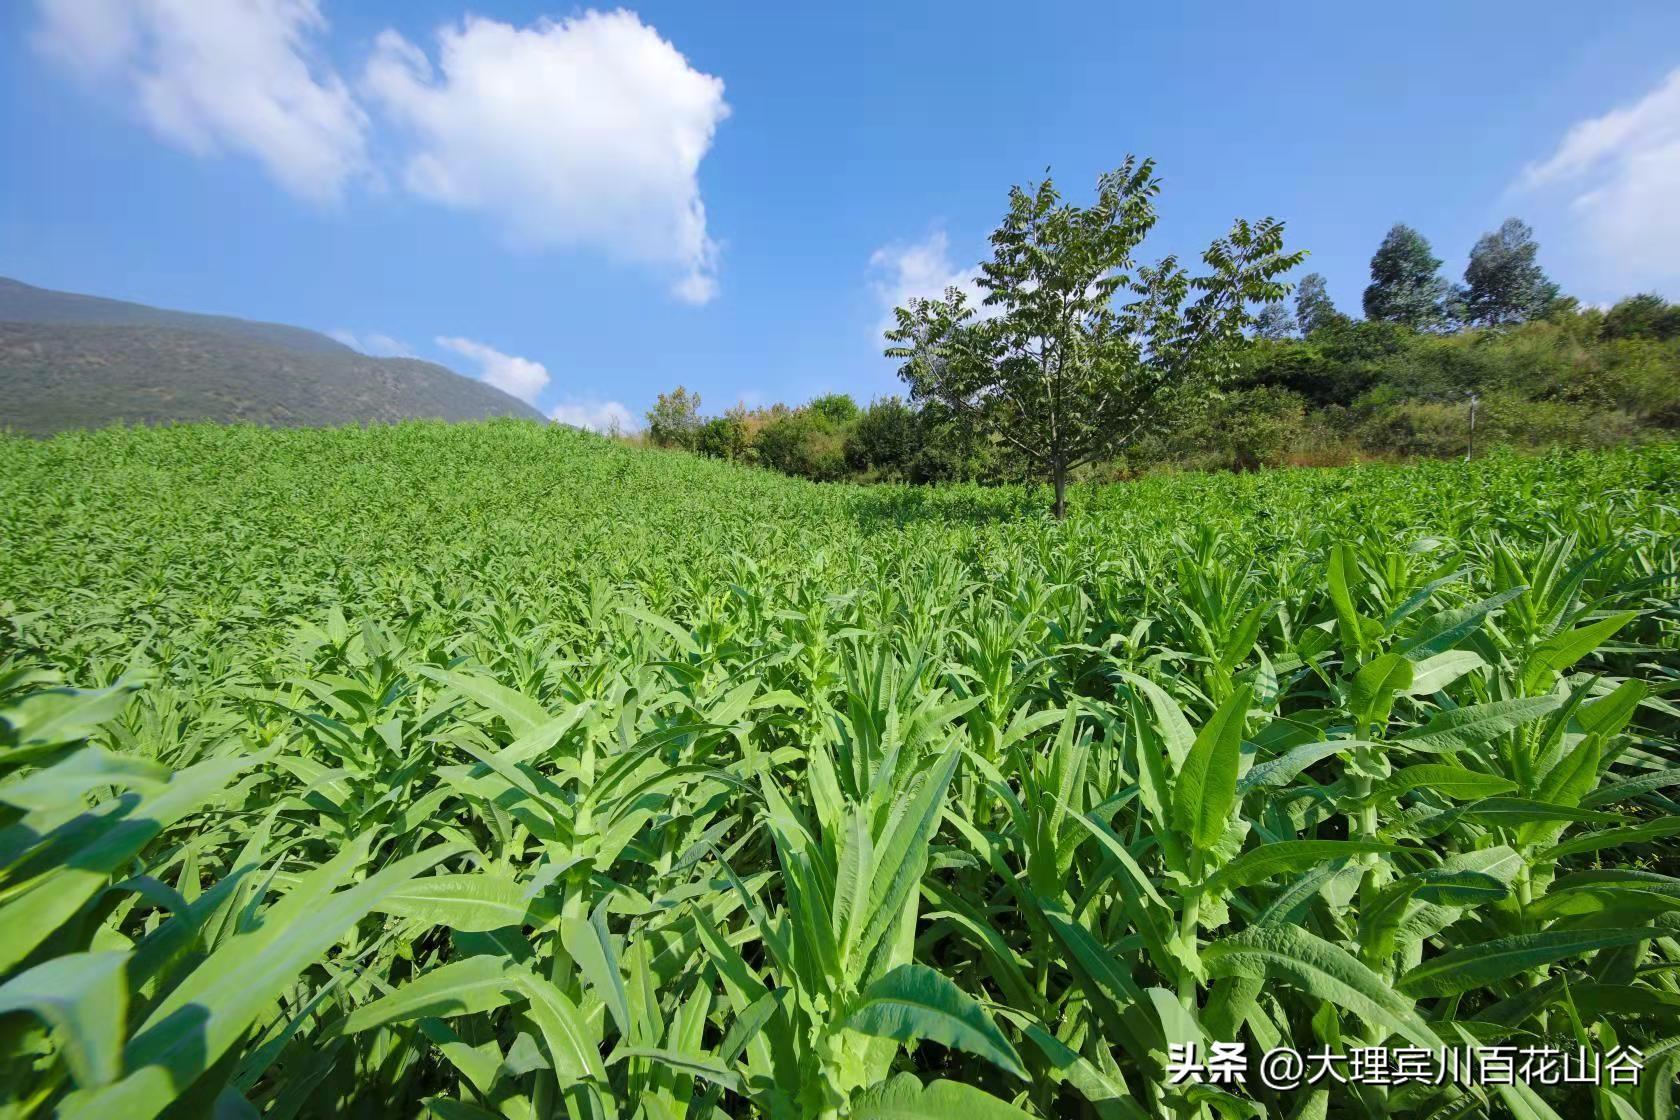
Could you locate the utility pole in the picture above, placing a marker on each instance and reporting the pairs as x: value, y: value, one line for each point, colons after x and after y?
x: 1471, y: 449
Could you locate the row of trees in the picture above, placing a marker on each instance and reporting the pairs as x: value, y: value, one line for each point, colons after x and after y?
x: 827, y: 439
x: 1503, y: 286
x: 1082, y: 358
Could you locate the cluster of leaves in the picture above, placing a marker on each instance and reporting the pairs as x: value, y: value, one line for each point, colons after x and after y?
x: 504, y: 771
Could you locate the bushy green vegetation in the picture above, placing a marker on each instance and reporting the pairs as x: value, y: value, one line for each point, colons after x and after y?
x: 504, y: 770
x: 1085, y: 365
x: 1353, y: 390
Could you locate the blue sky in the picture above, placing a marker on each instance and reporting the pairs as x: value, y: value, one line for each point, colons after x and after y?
x: 590, y: 208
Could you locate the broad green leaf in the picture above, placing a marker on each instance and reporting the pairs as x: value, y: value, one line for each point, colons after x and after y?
x: 702, y: 1066
x: 471, y: 903
x: 1607, y: 715
x: 1279, y: 771
x: 1573, y: 777
x: 572, y: 1046
x: 1462, y: 728
x: 1444, y: 630
x: 1106, y: 1094
x: 1259, y: 864
x: 461, y: 987
x: 1448, y: 781
x: 55, y: 716
x: 592, y: 949
x: 37, y: 910
x: 905, y: 1098
x: 448, y: 1108
x: 914, y: 1002
x: 1488, y: 962
x: 1560, y: 652
x: 84, y: 998
x: 1371, y: 694
x: 1435, y: 673
x: 1630, y: 789
x: 1321, y: 971
x: 899, y: 862
x: 1509, y: 812
x: 1174, y: 729
x: 1613, y: 838
x: 1343, y: 571
x: 1206, y: 788
x: 523, y: 715
x: 68, y: 781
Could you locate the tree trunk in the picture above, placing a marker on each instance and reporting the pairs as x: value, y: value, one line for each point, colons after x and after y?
x: 1058, y: 476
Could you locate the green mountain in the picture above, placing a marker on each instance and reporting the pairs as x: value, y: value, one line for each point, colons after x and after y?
x: 78, y: 361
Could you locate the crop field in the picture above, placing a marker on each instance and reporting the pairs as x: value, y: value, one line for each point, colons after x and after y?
x: 500, y: 770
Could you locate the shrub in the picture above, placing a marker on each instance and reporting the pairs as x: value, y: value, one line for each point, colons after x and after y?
x: 1643, y: 316
x: 723, y: 437
x: 674, y: 419
x: 884, y: 439
x: 1259, y: 426
x: 803, y: 443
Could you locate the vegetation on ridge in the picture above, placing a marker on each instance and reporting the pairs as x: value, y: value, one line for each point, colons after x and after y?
x: 1078, y: 362
x: 73, y: 361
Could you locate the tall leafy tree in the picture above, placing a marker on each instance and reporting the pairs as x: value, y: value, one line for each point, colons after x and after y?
x: 1275, y: 322
x: 1314, y: 310
x: 1084, y: 347
x: 674, y: 419
x: 1504, y: 283
x: 1406, y: 286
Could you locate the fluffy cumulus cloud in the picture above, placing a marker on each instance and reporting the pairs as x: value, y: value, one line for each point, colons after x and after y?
x: 236, y: 76
x: 583, y: 132
x: 919, y: 270
x: 597, y: 416
x: 1621, y: 174
x: 516, y: 376
x: 373, y: 343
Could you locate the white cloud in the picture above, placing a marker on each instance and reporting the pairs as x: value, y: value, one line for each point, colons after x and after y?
x: 519, y: 377
x: 597, y: 416
x: 920, y: 270
x: 373, y: 343
x: 586, y: 132
x: 232, y: 76
x: 1622, y: 172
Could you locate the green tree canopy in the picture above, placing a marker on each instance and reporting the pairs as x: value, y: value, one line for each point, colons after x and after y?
x: 837, y: 408
x: 1083, y: 346
x: 1313, y: 310
x: 723, y: 437
x: 1275, y: 322
x: 885, y: 438
x: 674, y: 419
x: 1504, y: 283
x: 1647, y: 315
x: 1406, y: 286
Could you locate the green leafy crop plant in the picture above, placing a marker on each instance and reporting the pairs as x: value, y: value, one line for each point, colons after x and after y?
x: 498, y: 770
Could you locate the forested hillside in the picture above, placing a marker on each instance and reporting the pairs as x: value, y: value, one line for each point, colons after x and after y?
x: 74, y: 361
